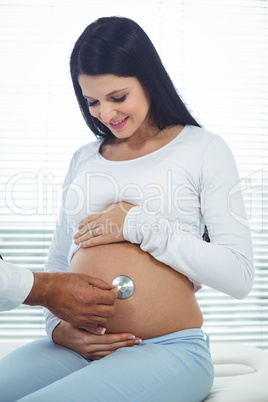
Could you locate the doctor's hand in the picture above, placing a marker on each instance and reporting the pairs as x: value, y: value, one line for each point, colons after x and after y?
x: 82, y: 300
x: 104, y: 227
x: 90, y: 346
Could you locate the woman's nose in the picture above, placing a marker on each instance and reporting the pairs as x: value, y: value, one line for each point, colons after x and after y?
x: 106, y: 113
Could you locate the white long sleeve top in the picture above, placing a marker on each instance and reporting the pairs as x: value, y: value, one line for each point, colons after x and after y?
x: 176, y: 190
x: 15, y: 285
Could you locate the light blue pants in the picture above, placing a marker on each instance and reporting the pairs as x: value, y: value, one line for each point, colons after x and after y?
x: 174, y: 367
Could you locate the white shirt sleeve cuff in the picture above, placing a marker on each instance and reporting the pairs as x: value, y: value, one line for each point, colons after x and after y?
x: 15, y: 285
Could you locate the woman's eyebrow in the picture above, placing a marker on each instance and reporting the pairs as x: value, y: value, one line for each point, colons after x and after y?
x: 115, y: 91
x: 109, y: 94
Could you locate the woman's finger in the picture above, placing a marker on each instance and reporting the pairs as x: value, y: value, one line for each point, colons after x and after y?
x: 98, y: 351
x: 103, y: 228
x: 109, y: 339
x: 83, y: 230
x: 117, y: 338
x: 108, y: 349
x: 89, y: 231
x: 88, y: 234
x: 112, y: 347
x: 96, y: 241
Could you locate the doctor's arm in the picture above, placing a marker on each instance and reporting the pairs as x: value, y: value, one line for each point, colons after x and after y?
x: 79, y: 299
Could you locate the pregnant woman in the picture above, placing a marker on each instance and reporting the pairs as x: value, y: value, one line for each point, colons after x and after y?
x: 136, y: 203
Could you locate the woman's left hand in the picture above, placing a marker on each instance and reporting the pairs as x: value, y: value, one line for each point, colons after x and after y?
x: 104, y: 227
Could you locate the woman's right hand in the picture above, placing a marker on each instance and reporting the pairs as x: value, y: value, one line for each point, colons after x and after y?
x: 90, y: 346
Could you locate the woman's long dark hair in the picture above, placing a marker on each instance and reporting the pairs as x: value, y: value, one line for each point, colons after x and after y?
x: 119, y: 46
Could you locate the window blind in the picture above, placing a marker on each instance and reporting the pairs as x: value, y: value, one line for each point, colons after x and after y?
x: 217, y: 55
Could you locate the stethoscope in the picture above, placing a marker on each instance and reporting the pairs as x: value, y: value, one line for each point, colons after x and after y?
x: 125, y: 285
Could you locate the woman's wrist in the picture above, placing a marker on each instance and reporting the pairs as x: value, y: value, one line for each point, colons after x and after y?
x: 58, y: 332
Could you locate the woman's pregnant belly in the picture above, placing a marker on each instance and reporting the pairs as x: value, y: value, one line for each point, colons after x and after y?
x: 163, y: 300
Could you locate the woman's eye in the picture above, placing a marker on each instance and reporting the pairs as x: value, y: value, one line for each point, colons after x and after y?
x: 90, y: 104
x: 117, y: 100
x: 120, y: 99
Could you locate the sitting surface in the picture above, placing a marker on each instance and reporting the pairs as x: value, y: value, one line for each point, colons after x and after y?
x: 241, y: 373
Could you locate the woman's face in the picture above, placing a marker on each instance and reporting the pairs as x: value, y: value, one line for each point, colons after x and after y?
x: 121, y: 103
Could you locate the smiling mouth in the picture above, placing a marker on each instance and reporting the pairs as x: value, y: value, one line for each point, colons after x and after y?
x: 117, y: 122
x: 116, y: 125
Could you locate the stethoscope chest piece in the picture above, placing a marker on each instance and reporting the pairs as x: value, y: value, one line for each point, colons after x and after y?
x: 125, y: 285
